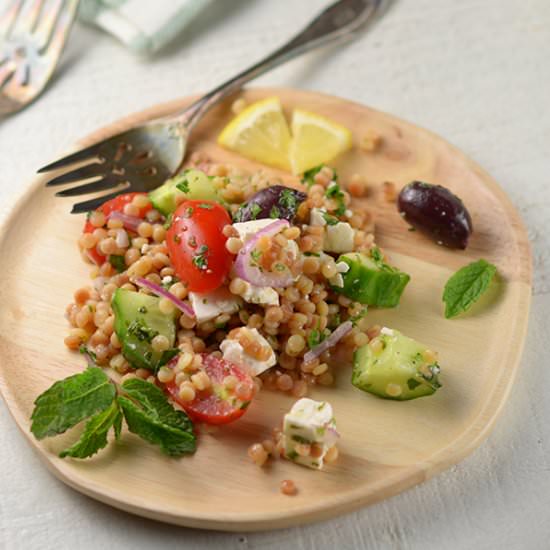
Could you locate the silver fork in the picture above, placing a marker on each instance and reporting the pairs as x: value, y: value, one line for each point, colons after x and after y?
x: 143, y: 158
x: 32, y: 36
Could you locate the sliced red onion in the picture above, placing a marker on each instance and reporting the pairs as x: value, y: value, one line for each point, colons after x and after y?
x: 245, y: 269
x: 121, y: 238
x: 332, y: 340
x: 130, y: 222
x: 159, y: 291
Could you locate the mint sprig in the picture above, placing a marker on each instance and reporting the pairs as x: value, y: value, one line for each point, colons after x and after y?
x: 94, y: 437
x: 466, y: 286
x: 70, y: 401
x: 92, y: 396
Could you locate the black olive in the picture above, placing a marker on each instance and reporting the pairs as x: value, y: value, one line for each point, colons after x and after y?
x: 277, y: 202
x: 437, y: 212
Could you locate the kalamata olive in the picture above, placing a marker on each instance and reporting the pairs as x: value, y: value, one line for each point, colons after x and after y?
x: 277, y: 202
x: 436, y: 211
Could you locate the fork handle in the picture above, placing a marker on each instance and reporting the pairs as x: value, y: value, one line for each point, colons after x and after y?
x: 338, y: 23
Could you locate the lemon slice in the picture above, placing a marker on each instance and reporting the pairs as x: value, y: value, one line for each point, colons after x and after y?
x: 260, y: 132
x: 316, y: 140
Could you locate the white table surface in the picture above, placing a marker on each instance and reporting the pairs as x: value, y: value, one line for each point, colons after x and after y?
x: 474, y: 71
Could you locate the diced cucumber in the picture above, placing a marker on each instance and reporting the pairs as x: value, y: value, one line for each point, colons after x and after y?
x: 394, y: 366
x: 138, y: 320
x: 191, y: 184
x: 369, y: 280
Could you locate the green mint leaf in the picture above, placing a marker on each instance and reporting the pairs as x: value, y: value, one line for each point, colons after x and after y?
x: 334, y: 192
x: 200, y: 260
x: 206, y: 206
x: 149, y: 415
x: 117, y: 262
x: 287, y: 199
x: 168, y: 221
x: 274, y: 213
x: 95, y: 433
x: 465, y: 287
x: 70, y: 401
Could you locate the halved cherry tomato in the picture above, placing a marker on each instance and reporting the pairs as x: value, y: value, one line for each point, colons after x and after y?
x: 196, y: 244
x: 114, y: 205
x: 217, y: 404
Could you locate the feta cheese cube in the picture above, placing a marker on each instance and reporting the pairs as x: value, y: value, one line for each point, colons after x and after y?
x: 339, y: 238
x: 309, y: 422
x: 316, y: 217
x: 264, y: 295
x: 210, y: 305
x: 234, y: 352
x: 249, y: 229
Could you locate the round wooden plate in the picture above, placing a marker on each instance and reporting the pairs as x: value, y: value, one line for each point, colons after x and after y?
x: 386, y: 446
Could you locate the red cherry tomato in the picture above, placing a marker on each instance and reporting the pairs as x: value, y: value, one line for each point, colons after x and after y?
x: 217, y: 404
x: 196, y: 244
x: 114, y: 205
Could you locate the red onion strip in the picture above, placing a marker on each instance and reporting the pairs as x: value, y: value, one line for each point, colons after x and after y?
x: 332, y: 340
x: 159, y: 291
x: 245, y: 269
x: 129, y: 222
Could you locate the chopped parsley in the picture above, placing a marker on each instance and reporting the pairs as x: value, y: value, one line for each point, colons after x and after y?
x: 117, y: 262
x: 188, y: 212
x: 315, y: 337
x: 206, y: 206
x: 255, y: 209
x: 183, y: 185
x: 274, y: 213
x: 334, y: 192
x: 376, y: 254
x: 359, y: 316
x: 141, y: 331
x: 309, y: 176
x: 85, y: 351
x: 168, y: 221
x: 200, y: 260
x: 287, y: 199
x: 316, y: 254
x: 331, y: 220
x: 256, y: 255
x: 300, y: 439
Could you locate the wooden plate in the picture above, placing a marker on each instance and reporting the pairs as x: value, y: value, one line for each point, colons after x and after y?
x: 386, y: 446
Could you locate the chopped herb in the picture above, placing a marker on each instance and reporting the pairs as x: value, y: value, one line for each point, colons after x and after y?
x: 359, y: 316
x: 331, y: 220
x: 280, y: 267
x: 200, y: 260
x: 287, y: 199
x: 376, y: 254
x: 183, y: 186
x: 192, y: 241
x: 256, y: 255
x: 315, y: 337
x: 309, y: 176
x: 167, y: 355
x: 321, y: 406
x: 334, y: 192
x: 141, y: 331
x: 188, y: 212
x: 142, y: 309
x: 316, y: 254
x: 255, y: 209
x: 412, y: 383
x: 117, y: 262
x: 244, y: 406
x: 85, y: 351
x: 206, y: 206
x: 168, y: 221
x: 293, y: 455
x: 177, y: 239
x: 274, y: 213
x: 88, y: 215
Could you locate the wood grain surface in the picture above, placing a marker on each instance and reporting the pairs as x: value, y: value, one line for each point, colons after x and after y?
x: 386, y: 446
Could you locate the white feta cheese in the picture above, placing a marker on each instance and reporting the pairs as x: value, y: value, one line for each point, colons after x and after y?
x: 249, y: 229
x: 210, y: 305
x: 264, y: 295
x: 339, y: 238
x: 234, y: 352
x: 309, y: 422
x: 316, y: 217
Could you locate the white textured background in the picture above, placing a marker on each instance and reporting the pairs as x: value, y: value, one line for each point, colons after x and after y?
x: 474, y: 71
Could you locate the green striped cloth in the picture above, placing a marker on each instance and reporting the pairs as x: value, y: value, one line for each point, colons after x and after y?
x: 145, y: 26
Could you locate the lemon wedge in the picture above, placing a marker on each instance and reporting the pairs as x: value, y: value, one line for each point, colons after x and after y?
x: 260, y: 132
x: 315, y: 140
